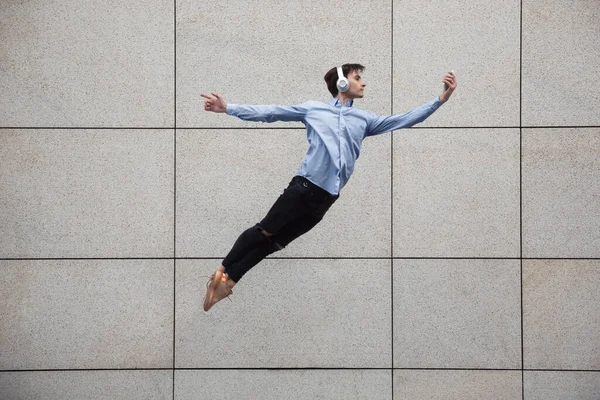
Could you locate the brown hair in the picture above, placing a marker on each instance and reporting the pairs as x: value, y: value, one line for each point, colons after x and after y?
x: 331, y: 76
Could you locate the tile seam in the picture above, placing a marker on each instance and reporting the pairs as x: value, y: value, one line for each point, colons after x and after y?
x: 289, y: 128
x: 174, y: 186
x: 301, y: 369
x: 521, y: 186
x: 305, y: 258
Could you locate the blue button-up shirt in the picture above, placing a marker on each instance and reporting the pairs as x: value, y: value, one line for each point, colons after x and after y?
x: 335, y: 133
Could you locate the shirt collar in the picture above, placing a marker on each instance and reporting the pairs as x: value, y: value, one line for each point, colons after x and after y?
x: 336, y: 102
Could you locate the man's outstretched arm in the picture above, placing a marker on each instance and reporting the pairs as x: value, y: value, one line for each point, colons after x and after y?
x: 380, y: 125
x: 262, y: 113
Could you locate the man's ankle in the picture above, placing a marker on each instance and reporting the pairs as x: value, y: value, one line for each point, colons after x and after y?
x: 229, y: 281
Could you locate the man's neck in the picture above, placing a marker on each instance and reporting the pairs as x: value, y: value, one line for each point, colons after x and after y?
x: 343, y: 99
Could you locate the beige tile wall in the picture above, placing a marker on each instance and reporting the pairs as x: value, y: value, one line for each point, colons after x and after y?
x: 460, y: 262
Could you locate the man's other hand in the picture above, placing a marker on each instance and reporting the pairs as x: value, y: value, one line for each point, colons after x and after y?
x: 450, y: 81
x: 214, y: 104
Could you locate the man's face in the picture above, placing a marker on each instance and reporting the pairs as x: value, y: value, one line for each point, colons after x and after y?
x: 357, y: 85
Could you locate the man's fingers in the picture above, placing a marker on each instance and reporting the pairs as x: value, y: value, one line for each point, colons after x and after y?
x: 215, y: 103
x: 449, y: 82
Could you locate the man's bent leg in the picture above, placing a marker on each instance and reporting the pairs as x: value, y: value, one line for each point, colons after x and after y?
x: 298, y: 227
x: 256, y: 243
x: 294, y: 230
x: 246, y: 242
x: 280, y: 239
x: 285, y: 236
x: 237, y: 269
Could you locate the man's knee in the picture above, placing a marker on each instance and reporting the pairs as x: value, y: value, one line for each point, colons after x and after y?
x: 253, y: 237
x: 267, y: 234
x: 275, y: 246
x: 261, y: 237
x: 263, y: 231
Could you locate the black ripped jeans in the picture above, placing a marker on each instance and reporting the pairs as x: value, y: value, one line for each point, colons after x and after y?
x: 297, y: 210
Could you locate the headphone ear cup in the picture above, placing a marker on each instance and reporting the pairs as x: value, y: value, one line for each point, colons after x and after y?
x: 343, y: 85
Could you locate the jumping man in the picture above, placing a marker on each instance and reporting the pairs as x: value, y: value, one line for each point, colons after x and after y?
x: 335, y: 133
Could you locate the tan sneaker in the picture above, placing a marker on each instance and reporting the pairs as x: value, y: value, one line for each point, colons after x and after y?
x: 217, y: 288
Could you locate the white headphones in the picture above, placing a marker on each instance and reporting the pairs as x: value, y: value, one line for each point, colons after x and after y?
x: 342, y: 83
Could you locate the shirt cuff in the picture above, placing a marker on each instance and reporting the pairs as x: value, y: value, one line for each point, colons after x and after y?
x: 436, y: 103
x: 230, y: 109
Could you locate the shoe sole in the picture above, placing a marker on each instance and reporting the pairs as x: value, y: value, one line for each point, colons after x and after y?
x: 212, y: 288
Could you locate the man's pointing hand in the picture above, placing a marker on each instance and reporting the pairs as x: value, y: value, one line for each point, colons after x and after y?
x: 214, y: 104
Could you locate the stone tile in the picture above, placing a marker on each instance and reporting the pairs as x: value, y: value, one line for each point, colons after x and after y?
x: 560, y: 62
x: 279, y: 384
x: 91, y: 385
x: 228, y: 180
x: 87, y: 64
x: 477, y: 39
x: 287, y: 314
x: 559, y: 385
x: 250, y: 56
x: 86, y: 193
x: 457, y: 314
x: 456, y: 193
x: 561, y: 193
x: 457, y: 385
x: 561, y: 322
x: 86, y: 314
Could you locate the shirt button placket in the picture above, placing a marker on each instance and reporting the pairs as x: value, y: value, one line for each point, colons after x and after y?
x: 340, y: 130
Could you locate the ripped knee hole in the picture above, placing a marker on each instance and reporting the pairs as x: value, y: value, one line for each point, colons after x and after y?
x: 267, y: 234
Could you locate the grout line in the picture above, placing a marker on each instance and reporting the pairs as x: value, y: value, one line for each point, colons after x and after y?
x: 292, y: 128
x: 88, y: 127
x: 174, y: 315
x: 302, y: 258
x: 521, y: 66
x: 174, y: 311
x: 174, y: 183
x: 521, y: 187
x: 298, y: 368
x: 392, y: 199
x: 84, y: 369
